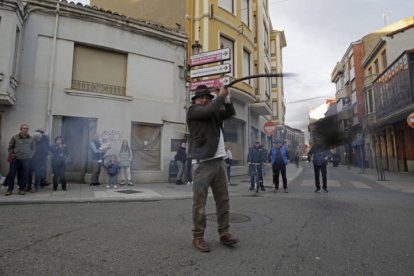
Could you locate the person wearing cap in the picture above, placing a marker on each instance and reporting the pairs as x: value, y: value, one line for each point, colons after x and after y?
x: 279, y: 160
x: 256, y: 155
x: 206, y: 147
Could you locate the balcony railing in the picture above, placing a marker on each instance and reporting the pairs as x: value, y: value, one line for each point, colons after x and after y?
x: 99, y: 88
x: 393, y: 90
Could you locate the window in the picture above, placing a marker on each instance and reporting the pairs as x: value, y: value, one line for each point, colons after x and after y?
x: 228, y: 43
x: 273, y: 48
x: 227, y: 5
x: 376, y: 65
x: 245, y: 12
x: 92, y: 73
x: 267, y: 90
x: 16, y: 53
x: 265, y: 39
x: 384, y: 59
x: 274, y: 79
x: 246, y: 65
x: 353, y: 85
x: 145, y: 147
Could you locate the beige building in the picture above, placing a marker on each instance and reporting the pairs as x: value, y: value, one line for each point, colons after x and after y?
x: 245, y: 28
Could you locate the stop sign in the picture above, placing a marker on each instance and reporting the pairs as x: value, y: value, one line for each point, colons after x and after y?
x: 269, y: 128
x: 410, y: 120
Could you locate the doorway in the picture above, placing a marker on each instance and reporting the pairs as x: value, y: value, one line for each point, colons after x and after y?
x: 77, y: 132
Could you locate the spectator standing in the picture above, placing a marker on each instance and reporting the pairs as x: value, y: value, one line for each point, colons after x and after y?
x: 180, y: 158
x: 320, y: 155
x: 229, y: 160
x: 279, y: 160
x: 59, y: 155
x: 256, y: 155
x: 96, y: 156
x: 112, y: 168
x: 43, y: 146
x: 206, y: 145
x: 38, y: 162
x: 21, y: 148
x: 125, y: 159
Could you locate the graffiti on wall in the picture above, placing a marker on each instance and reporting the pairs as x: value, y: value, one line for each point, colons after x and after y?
x: 112, y: 136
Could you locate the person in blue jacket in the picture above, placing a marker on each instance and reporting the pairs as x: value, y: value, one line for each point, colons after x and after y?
x: 320, y: 155
x: 279, y: 160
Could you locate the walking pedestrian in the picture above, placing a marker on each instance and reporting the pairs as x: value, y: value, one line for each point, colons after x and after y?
x: 279, y: 160
x: 59, y: 155
x: 204, y: 119
x: 256, y: 156
x: 21, y: 148
x: 181, y: 158
x: 320, y: 155
x: 125, y: 160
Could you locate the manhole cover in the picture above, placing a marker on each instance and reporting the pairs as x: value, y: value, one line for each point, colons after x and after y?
x: 233, y: 184
x: 129, y: 192
x: 234, y: 218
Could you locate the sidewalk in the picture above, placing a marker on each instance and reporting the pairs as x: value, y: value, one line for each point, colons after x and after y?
x: 84, y: 193
x: 400, y: 181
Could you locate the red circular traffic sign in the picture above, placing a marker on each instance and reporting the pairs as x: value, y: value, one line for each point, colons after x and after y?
x: 269, y: 128
x: 410, y: 120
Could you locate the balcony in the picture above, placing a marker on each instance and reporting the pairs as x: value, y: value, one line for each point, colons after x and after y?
x: 7, y: 97
x: 393, y: 90
x: 345, y: 114
x: 369, y: 79
x: 98, y: 88
x: 261, y: 108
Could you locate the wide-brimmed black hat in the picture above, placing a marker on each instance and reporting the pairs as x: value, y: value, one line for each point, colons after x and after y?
x: 201, y: 90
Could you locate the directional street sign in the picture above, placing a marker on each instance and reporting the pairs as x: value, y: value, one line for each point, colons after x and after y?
x: 210, y: 57
x: 218, y: 82
x: 212, y: 70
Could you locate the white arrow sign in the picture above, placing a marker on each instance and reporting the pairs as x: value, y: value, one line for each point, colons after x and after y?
x: 212, y: 70
x: 210, y: 57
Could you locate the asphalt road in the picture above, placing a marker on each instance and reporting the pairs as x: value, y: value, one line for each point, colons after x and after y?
x: 358, y: 228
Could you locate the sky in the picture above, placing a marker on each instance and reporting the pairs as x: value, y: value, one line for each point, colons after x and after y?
x: 318, y: 32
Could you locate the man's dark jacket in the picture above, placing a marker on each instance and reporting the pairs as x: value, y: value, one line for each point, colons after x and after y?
x: 204, y: 122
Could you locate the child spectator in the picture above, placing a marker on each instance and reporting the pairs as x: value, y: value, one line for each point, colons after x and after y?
x: 112, y: 168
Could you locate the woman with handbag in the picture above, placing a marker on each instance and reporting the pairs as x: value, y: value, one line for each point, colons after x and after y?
x: 60, y: 159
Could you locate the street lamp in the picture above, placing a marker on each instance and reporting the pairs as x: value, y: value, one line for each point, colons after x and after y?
x: 196, y: 47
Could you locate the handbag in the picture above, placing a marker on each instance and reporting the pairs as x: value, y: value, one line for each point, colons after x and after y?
x: 67, y: 159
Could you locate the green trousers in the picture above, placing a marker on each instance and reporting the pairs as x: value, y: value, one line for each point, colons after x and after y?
x: 212, y: 174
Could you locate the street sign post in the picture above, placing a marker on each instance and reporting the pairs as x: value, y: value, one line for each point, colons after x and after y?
x: 218, y: 82
x: 212, y: 70
x: 269, y: 128
x: 210, y: 57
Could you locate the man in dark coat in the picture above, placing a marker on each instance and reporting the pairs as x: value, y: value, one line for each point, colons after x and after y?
x: 206, y: 146
x: 320, y: 155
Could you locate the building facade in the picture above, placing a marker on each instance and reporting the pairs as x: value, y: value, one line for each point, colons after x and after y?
x: 245, y: 28
x: 372, y: 139
x: 76, y: 71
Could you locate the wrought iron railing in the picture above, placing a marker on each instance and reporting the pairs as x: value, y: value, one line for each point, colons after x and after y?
x: 99, y: 88
x: 392, y: 89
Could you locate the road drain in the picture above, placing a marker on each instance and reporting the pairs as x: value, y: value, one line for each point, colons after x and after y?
x: 234, y: 218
